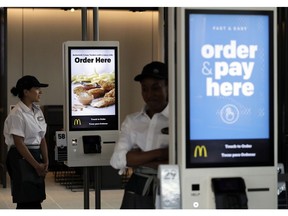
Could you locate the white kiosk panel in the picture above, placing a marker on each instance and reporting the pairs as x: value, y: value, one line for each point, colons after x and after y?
x: 91, y: 111
x: 226, y: 115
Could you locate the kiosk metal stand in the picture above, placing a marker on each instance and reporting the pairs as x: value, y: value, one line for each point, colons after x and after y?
x: 97, y: 170
x: 86, y: 187
x: 91, y: 131
x: 97, y: 173
x: 86, y: 181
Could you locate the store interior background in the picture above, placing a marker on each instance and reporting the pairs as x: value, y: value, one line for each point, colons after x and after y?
x: 31, y: 43
x: 35, y: 38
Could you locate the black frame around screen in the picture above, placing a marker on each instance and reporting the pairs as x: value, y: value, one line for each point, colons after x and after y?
x: 265, y: 161
x: 114, y: 119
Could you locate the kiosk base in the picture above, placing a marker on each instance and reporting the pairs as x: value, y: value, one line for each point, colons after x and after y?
x: 230, y: 193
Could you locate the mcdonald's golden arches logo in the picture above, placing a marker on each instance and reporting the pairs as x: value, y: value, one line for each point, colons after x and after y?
x: 200, y: 151
x: 77, y: 122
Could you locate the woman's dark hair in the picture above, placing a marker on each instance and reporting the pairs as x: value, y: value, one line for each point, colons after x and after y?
x: 18, y: 92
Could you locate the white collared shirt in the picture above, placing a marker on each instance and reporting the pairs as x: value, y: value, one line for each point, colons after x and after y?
x: 23, y: 122
x: 138, y: 130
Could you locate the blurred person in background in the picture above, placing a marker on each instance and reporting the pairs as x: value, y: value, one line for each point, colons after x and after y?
x: 143, y: 141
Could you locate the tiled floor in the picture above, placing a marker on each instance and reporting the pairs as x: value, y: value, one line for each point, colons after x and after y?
x: 59, y: 197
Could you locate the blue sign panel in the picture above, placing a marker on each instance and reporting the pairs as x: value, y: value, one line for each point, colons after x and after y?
x: 229, y: 87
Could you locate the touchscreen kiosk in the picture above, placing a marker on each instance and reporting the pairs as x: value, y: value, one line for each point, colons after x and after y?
x: 91, y: 112
x: 226, y: 104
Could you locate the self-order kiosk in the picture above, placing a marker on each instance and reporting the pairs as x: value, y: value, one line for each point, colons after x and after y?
x: 226, y: 107
x: 91, y: 109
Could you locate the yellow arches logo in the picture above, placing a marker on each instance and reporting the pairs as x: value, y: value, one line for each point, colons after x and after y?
x: 77, y: 122
x: 200, y: 151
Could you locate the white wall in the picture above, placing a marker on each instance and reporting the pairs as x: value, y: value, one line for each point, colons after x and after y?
x: 35, y: 38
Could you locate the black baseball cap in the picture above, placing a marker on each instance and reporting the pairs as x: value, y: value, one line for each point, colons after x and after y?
x: 28, y: 82
x: 155, y: 69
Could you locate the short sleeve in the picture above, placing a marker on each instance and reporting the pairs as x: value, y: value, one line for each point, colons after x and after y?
x: 16, y: 126
x: 123, y: 145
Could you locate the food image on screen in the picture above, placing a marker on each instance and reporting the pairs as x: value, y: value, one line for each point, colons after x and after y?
x: 93, y: 101
x: 93, y: 81
x: 96, y: 91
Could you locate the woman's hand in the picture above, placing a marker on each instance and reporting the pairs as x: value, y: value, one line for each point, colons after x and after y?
x: 42, y: 169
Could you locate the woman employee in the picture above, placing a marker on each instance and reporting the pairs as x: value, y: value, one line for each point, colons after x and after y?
x: 27, y: 159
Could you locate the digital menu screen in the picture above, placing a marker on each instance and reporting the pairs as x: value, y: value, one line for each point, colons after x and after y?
x: 93, y: 95
x: 229, y: 88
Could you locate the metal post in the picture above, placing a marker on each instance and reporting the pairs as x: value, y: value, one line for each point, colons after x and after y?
x: 97, y: 169
x: 85, y: 169
x: 86, y: 187
x: 97, y: 177
x: 84, y: 23
x: 95, y: 24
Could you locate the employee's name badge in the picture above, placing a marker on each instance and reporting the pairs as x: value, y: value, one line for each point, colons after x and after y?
x: 40, y: 118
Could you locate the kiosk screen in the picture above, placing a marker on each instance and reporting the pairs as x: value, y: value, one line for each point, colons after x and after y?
x: 93, y: 95
x: 229, y: 88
